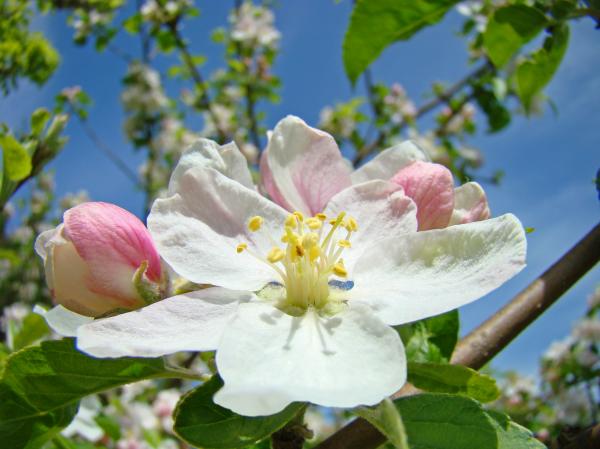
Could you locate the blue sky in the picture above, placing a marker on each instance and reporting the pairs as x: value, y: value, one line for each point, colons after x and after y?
x: 550, y: 161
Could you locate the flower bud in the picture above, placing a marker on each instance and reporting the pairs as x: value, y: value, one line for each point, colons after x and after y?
x: 101, y: 259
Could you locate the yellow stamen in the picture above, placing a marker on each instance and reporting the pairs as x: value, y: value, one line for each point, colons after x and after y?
x: 339, y: 269
x: 299, y: 216
x: 255, y: 223
x: 314, y: 253
x: 309, y: 240
x: 299, y: 250
x: 314, y: 223
x: 290, y: 221
x: 344, y: 243
x: 241, y: 247
x: 321, y: 216
x: 351, y: 225
x: 275, y: 255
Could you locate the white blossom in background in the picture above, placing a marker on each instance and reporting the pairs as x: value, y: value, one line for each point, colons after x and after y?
x: 74, y: 199
x: 594, y: 299
x: 474, y: 10
x: 164, y: 406
x: 559, y: 351
x: 401, y: 107
x: 143, y: 91
x: 588, y: 329
x: 84, y: 423
x: 224, y: 116
x: 312, y: 295
x: 572, y: 406
x: 254, y: 24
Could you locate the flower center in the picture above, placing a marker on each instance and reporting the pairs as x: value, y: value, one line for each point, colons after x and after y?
x: 309, y: 257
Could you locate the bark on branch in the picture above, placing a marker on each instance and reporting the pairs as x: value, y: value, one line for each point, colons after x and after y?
x: 482, y: 344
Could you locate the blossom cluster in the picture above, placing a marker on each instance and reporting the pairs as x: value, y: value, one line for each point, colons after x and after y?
x: 311, y: 274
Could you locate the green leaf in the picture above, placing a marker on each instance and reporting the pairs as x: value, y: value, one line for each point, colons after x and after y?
x: 22, y: 426
x: 34, y: 327
x: 444, y: 378
x: 133, y: 24
x: 39, y: 118
x: 200, y: 422
x: 537, y: 71
x: 498, y: 116
x: 16, y: 159
x: 509, y: 29
x: 110, y: 425
x: 512, y: 435
x: 375, y: 24
x: 40, y: 388
x: 386, y: 418
x: 55, y: 373
x: 440, y: 421
x: 432, y: 339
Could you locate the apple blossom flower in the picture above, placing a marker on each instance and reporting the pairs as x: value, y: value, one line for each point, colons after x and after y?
x: 302, y: 304
x: 302, y: 169
x: 101, y: 259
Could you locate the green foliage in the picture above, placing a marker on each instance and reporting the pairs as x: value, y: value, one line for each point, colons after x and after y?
x: 201, y: 422
x: 512, y: 435
x: 509, y: 29
x: 457, y: 379
x: 32, y: 329
x: 498, y: 116
x: 432, y: 339
x: 40, y: 388
x: 443, y: 421
x: 15, y: 159
x: 375, y: 24
x: 537, y: 70
x: 386, y: 418
x: 22, y: 54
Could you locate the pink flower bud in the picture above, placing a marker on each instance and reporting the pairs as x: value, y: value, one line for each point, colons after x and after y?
x: 432, y: 189
x: 100, y: 259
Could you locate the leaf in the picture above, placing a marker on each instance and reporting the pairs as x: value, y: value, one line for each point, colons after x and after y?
x: 512, y: 435
x: 375, y: 24
x: 441, y: 421
x: 23, y: 426
x: 537, y: 71
x: 41, y: 386
x: 34, y: 327
x: 432, y: 339
x: 498, y: 116
x: 55, y: 373
x: 16, y: 159
x: 386, y: 418
x: 201, y: 422
x: 39, y: 118
x: 509, y: 29
x: 443, y: 378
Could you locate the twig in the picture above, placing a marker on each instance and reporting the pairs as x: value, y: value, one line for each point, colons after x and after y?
x: 106, y: 150
x: 198, y: 79
x: 588, y: 439
x: 482, y: 344
x: 443, y: 97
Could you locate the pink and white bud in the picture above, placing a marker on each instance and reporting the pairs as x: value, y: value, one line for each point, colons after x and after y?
x: 439, y: 204
x: 432, y: 189
x: 100, y: 259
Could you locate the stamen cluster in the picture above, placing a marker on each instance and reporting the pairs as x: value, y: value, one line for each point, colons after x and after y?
x: 309, y: 258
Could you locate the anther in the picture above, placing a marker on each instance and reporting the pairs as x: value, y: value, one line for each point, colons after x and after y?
x: 344, y: 243
x: 299, y: 216
x: 275, y: 255
x: 339, y: 269
x: 313, y: 223
x: 241, y: 247
x: 255, y: 223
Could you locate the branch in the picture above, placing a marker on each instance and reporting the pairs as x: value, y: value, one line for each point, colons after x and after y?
x: 197, y: 77
x: 442, y: 98
x: 108, y: 152
x: 482, y: 344
x: 588, y: 439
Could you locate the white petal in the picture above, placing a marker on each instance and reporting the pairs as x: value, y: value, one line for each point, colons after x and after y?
x: 382, y: 211
x: 190, y: 322
x: 306, y: 165
x: 268, y: 359
x: 198, y: 229
x: 63, y: 321
x: 430, y: 272
x: 388, y: 162
x: 470, y: 204
x: 227, y: 159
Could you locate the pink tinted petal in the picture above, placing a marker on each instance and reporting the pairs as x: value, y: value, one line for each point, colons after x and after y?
x: 306, y: 165
x: 114, y: 243
x: 268, y: 185
x: 470, y: 204
x: 431, y: 188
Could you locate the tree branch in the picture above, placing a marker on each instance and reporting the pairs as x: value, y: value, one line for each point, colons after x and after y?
x: 442, y: 98
x: 197, y: 77
x: 482, y: 344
